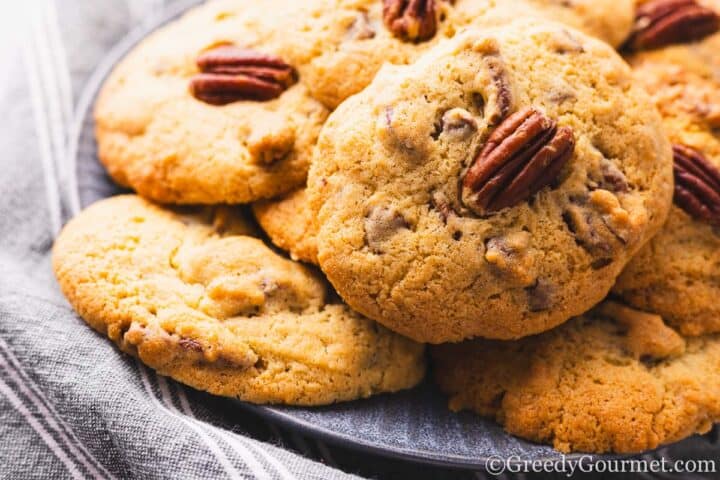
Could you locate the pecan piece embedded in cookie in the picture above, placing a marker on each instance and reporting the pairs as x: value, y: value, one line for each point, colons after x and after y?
x: 361, y: 28
x: 458, y: 123
x: 500, y: 92
x: 381, y: 224
x: 697, y: 184
x: 230, y: 74
x: 411, y: 20
x: 522, y: 156
x: 663, y: 22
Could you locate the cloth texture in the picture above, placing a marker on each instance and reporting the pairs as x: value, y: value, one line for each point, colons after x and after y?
x: 72, y: 405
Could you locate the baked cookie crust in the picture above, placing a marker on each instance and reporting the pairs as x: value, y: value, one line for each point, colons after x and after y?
x: 406, y: 240
x: 194, y: 296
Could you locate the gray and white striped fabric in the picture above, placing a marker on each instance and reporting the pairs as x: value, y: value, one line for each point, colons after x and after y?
x: 71, y: 405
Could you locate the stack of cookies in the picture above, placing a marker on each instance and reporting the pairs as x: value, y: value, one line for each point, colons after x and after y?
x: 489, y: 177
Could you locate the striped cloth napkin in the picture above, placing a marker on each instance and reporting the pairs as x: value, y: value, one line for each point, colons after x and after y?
x: 71, y: 405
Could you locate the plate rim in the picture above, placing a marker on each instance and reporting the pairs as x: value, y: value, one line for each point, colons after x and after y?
x: 417, y: 457
x: 83, y: 110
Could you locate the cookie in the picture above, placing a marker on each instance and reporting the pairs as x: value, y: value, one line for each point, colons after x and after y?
x: 615, y: 380
x: 675, y: 275
x: 211, y: 108
x: 194, y: 296
x: 495, y: 188
x: 289, y: 222
x: 375, y: 32
x: 607, y: 20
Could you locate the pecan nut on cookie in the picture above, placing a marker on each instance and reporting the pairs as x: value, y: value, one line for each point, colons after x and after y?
x: 195, y: 296
x: 613, y: 380
x: 495, y: 188
x: 676, y: 274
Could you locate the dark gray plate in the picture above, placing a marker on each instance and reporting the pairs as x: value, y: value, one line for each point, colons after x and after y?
x: 413, y: 425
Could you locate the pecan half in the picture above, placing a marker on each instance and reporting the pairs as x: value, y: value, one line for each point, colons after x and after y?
x: 523, y: 155
x: 663, y: 22
x: 697, y: 184
x: 230, y: 74
x: 411, y: 20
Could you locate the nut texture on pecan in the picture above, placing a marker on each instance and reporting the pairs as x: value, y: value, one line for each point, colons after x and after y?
x: 697, y: 185
x: 663, y: 22
x: 411, y: 20
x: 230, y: 74
x: 524, y: 154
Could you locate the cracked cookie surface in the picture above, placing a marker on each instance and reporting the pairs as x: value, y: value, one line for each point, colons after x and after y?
x: 193, y: 295
x: 403, y: 244
x: 613, y: 380
x: 676, y: 274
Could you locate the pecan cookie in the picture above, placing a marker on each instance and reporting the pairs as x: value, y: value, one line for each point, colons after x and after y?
x: 194, y: 296
x: 676, y: 274
x: 614, y: 380
x: 495, y: 188
x: 213, y: 108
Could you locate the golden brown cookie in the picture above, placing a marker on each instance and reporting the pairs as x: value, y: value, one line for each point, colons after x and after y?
x: 676, y: 274
x: 614, y: 380
x: 193, y: 296
x: 289, y: 222
x: 495, y: 188
x: 212, y: 108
